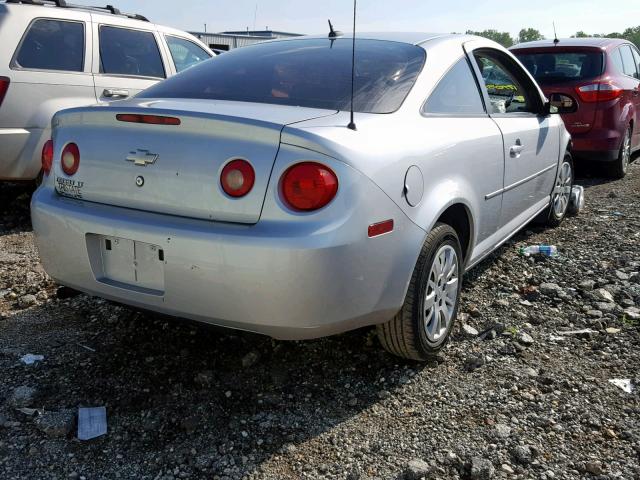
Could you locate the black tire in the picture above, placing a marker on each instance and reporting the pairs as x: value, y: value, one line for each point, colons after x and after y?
x: 554, y: 217
x: 406, y: 334
x: 618, y: 169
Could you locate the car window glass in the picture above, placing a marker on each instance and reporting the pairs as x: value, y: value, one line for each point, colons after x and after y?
x: 308, y: 72
x: 616, y: 58
x: 129, y: 52
x: 506, y: 94
x: 552, y: 66
x: 53, y: 45
x: 457, y: 93
x: 185, y: 53
x: 628, y: 61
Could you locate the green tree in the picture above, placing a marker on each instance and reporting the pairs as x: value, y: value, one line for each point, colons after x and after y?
x: 503, y: 38
x: 633, y: 35
x: 529, y: 35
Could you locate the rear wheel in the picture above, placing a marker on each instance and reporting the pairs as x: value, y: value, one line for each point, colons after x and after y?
x: 423, y: 326
x: 561, y: 196
x: 618, y: 169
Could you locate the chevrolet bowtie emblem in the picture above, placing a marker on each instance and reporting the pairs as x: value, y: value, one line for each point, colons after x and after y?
x: 142, y: 158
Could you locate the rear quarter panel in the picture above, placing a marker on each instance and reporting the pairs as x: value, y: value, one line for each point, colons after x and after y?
x: 461, y: 159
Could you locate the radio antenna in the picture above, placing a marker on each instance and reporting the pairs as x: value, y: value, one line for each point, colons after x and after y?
x: 555, y: 35
x: 352, y: 124
x: 333, y: 33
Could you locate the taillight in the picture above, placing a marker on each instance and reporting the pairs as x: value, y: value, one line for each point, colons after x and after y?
x: 237, y: 178
x: 598, y: 92
x: 4, y: 86
x: 70, y: 160
x: 148, y: 119
x: 308, y: 186
x: 47, y: 157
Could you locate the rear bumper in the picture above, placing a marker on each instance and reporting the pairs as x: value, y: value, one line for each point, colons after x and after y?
x: 269, y: 278
x: 600, y: 144
x: 20, y: 151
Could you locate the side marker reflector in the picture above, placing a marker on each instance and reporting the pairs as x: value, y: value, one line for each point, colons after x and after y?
x: 381, y: 228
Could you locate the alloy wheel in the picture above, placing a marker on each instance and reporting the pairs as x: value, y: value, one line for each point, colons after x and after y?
x: 562, y: 192
x: 441, y: 294
x: 626, y: 152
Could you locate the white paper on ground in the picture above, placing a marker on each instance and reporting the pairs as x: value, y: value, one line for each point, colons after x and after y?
x: 92, y: 423
x: 623, y: 383
x: 30, y: 359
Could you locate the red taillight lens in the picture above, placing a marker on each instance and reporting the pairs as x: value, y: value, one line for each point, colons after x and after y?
x: 598, y: 92
x: 308, y: 186
x: 4, y: 86
x: 47, y: 157
x: 148, y: 119
x: 237, y: 178
x: 70, y: 160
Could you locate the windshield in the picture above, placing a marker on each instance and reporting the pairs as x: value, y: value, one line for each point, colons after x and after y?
x: 558, y: 67
x: 313, y: 73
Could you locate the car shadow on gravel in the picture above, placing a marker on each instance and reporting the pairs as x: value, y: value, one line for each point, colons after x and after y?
x: 15, y: 216
x: 590, y: 174
x: 172, y: 387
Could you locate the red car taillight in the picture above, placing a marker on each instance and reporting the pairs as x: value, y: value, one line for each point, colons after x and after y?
x: 70, y: 160
x: 4, y: 86
x: 308, y: 186
x: 47, y: 157
x: 598, y: 92
x: 237, y: 178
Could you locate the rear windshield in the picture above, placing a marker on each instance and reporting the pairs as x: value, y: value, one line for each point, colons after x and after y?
x: 313, y: 73
x: 558, y: 67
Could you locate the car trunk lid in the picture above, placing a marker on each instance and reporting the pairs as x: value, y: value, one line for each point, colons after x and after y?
x: 173, y: 169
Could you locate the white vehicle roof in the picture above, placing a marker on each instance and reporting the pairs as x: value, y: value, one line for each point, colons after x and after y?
x: 108, y: 14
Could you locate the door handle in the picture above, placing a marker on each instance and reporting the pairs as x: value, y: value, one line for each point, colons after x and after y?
x: 111, y: 93
x: 516, y: 150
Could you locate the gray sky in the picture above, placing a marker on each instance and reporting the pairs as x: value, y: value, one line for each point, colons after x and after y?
x: 306, y: 16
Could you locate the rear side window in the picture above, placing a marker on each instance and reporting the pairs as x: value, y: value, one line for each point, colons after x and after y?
x: 558, y: 67
x: 616, y: 59
x: 457, y: 93
x: 129, y: 52
x: 52, y: 45
x: 313, y: 73
x: 185, y: 54
x: 628, y: 62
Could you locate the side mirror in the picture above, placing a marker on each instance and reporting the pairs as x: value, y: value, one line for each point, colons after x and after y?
x: 560, y: 103
x: 548, y: 109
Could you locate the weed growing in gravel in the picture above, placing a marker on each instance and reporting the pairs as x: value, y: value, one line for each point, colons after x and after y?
x: 513, y: 331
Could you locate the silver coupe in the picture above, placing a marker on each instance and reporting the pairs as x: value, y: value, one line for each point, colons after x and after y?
x: 239, y: 193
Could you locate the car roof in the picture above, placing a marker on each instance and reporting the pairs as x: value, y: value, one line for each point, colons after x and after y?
x: 48, y: 5
x: 595, y: 42
x: 413, y: 38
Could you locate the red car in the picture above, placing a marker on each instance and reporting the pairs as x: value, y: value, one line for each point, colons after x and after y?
x: 595, y: 83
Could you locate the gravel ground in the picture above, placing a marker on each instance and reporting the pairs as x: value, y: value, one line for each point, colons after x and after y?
x: 522, y: 391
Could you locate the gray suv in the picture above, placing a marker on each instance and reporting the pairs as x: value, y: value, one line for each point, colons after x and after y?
x: 55, y: 56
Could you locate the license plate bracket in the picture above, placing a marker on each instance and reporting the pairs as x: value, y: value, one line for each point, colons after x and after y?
x: 128, y: 263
